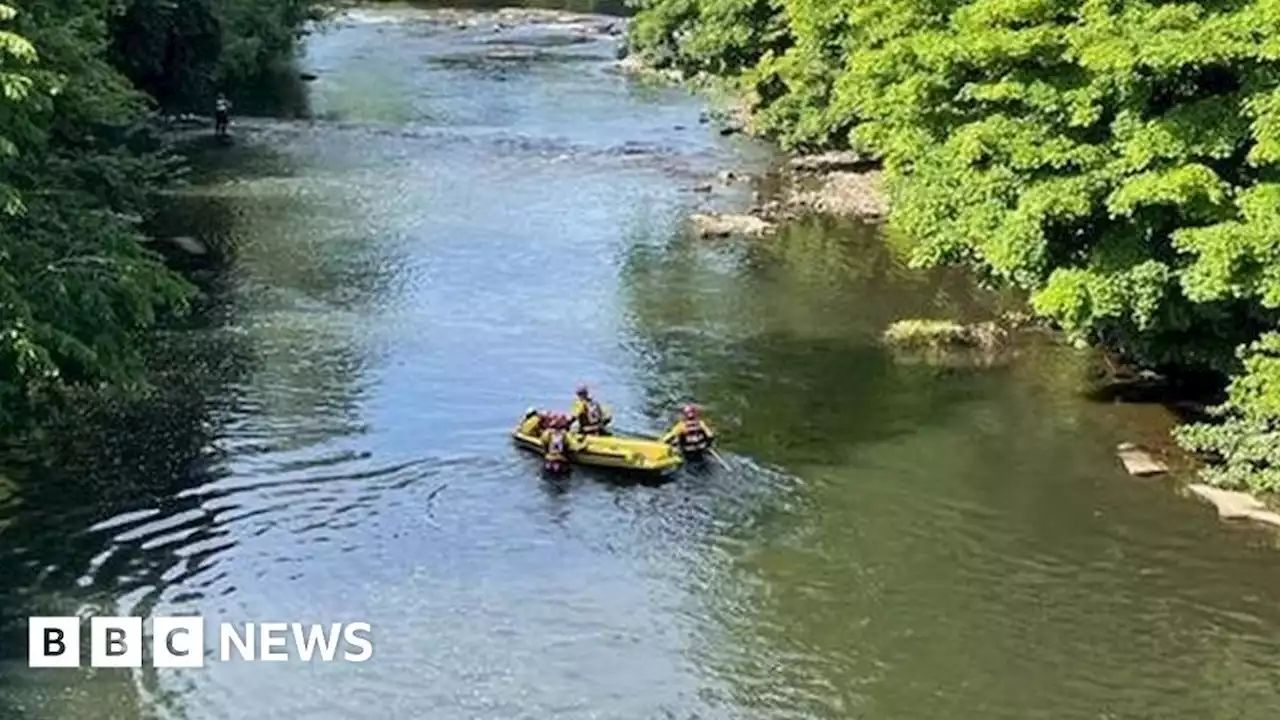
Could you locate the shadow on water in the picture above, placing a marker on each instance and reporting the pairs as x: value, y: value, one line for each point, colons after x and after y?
x: 106, y: 468
x: 779, y: 341
x: 126, y: 503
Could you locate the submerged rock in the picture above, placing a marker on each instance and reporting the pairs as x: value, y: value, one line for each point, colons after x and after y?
x: 943, y: 343
x: 944, y: 333
x: 1234, y: 505
x: 1139, y: 462
x: 511, y: 52
x: 188, y: 245
x: 716, y: 225
x: 637, y: 66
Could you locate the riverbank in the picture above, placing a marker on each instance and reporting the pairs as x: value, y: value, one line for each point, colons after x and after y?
x: 848, y: 184
x: 839, y: 183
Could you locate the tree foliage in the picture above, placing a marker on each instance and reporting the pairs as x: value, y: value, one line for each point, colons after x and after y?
x: 79, y: 288
x: 181, y: 52
x: 1117, y: 159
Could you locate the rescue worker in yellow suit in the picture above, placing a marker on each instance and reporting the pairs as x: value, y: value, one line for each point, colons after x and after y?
x: 690, y: 434
x: 557, y: 443
x: 592, y: 419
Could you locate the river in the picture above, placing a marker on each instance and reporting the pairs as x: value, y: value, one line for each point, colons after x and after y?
x: 471, y: 221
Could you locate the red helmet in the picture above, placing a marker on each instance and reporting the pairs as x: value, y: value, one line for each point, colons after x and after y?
x: 690, y: 412
x: 583, y: 390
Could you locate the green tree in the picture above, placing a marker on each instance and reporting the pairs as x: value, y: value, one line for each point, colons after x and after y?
x: 76, y: 284
x: 79, y: 289
x: 1116, y: 159
x: 180, y: 53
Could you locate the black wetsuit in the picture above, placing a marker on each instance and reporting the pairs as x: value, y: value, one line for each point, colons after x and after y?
x: 222, y: 116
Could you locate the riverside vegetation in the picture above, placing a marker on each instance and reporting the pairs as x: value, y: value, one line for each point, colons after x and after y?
x: 79, y: 286
x: 1116, y: 159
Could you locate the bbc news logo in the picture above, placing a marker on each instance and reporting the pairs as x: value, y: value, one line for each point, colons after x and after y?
x: 178, y: 642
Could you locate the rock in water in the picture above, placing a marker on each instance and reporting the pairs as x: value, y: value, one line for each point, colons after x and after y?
x: 189, y: 244
x: 1234, y: 505
x: 857, y: 194
x: 1139, y: 462
x: 846, y: 160
x: 714, y: 225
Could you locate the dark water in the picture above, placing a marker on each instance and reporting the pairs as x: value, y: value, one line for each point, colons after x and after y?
x: 474, y: 221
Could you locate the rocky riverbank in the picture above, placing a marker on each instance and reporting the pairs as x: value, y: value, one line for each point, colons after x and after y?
x: 844, y: 183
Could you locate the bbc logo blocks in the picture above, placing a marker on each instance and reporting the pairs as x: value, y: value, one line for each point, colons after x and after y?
x: 53, y: 642
x: 115, y: 642
x: 177, y: 642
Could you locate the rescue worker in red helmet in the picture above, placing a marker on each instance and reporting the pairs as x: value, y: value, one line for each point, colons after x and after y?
x: 591, y: 417
x: 691, y: 435
x: 557, y: 444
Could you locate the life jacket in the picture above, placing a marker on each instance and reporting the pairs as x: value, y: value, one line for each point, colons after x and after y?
x: 693, y: 437
x: 592, y: 417
x: 556, y: 445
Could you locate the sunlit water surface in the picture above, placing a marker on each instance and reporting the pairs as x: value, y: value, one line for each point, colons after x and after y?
x: 472, y: 221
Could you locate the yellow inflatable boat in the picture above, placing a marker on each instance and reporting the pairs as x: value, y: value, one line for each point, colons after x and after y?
x: 613, y: 451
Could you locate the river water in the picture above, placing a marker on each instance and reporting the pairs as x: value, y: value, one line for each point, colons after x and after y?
x: 471, y: 221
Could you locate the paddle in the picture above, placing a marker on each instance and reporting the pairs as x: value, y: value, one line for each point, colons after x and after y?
x: 719, y: 459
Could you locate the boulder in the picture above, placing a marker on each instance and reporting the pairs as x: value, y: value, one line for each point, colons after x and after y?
x: 1233, y: 505
x: 846, y: 160
x: 924, y: 333
x: 1139, y: 462
x: 189, y: 245
x: 850, y: 194
x: 716, y: 225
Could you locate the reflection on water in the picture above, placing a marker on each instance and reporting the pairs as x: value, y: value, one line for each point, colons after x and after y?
x: 469, y: 227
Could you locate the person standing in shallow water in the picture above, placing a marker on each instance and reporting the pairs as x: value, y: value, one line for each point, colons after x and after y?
x: 557, y: 444
x: 221, y: 115
x: 690, y: 434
